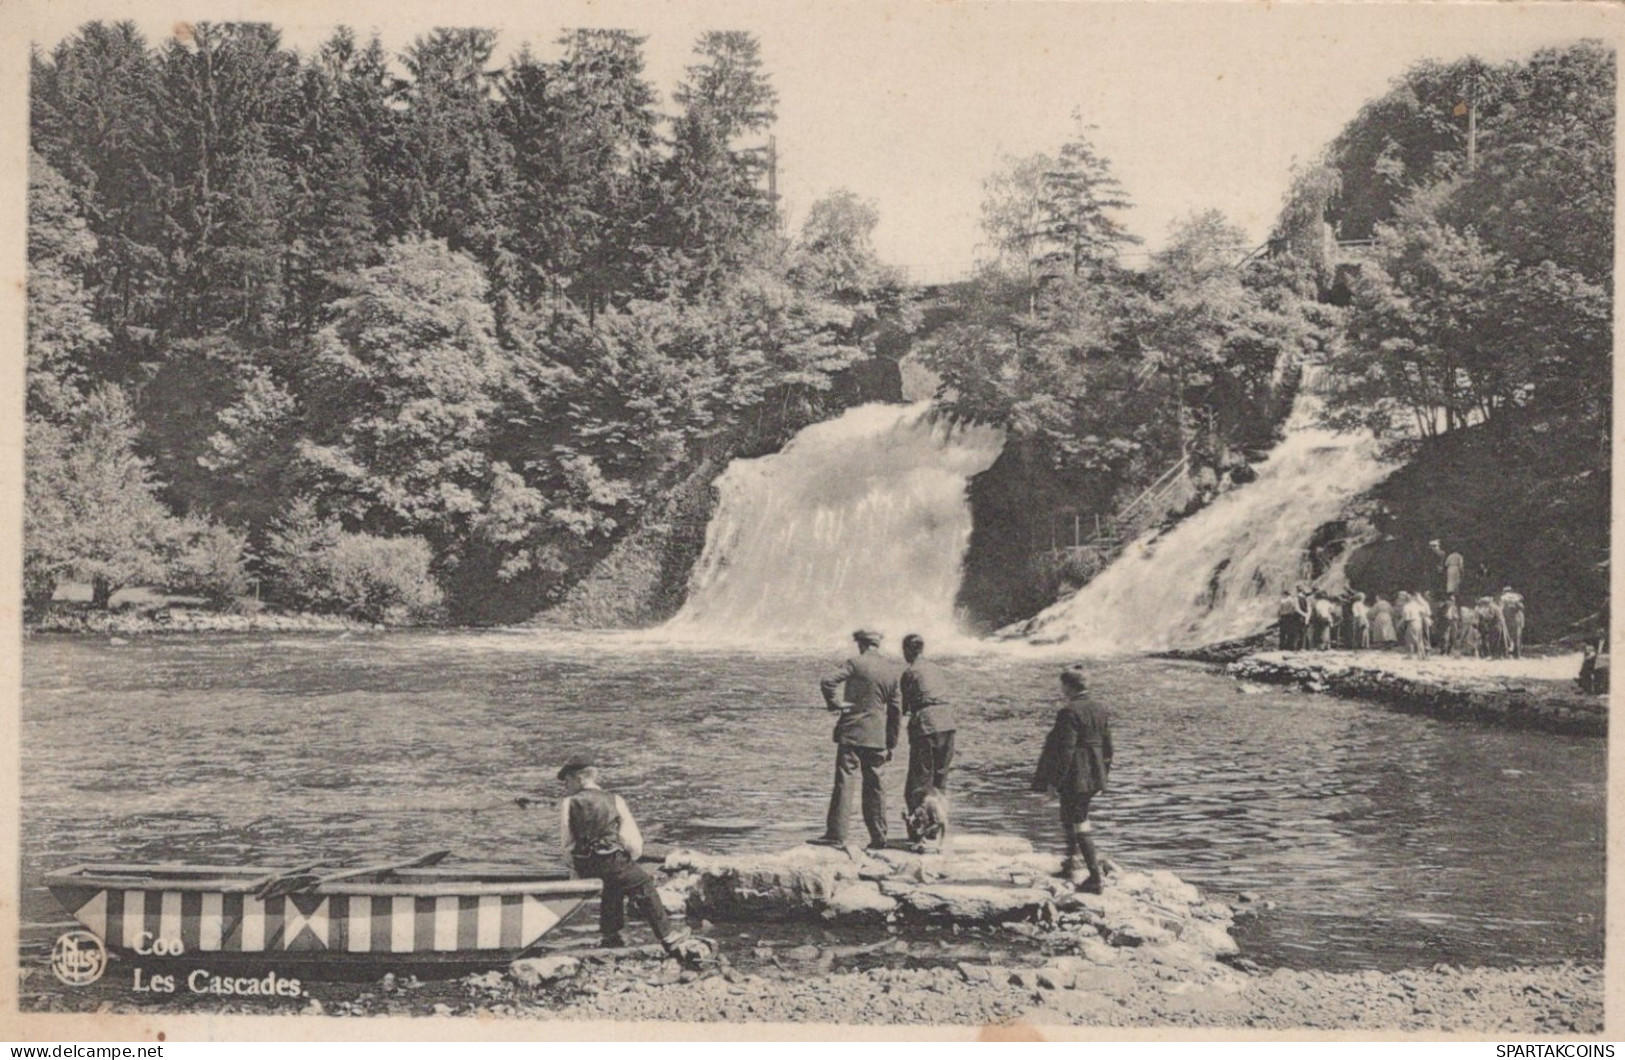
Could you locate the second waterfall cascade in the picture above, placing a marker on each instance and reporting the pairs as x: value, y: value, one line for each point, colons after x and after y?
x: 1218, y: 574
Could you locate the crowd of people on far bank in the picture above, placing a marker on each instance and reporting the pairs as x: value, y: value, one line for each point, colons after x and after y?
x: 1442, y: 620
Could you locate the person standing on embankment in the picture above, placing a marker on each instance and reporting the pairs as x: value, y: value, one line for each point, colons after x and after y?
x: 1077, y: 762
x: 865, y: 736
x: 1512, y: 620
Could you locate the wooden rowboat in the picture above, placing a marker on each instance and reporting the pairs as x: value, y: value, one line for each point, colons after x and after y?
x: 389, y: 920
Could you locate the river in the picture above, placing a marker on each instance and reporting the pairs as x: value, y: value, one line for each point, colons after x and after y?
x: 1383, y: 840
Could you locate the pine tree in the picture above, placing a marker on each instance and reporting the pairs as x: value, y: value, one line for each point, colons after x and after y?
x: 227, y: 94
x: 341, y: 110
x: 453, y: 169
x: 1081, y: 197
x: 93, y: 115
x: 583, y: 132
x: 716, y: 174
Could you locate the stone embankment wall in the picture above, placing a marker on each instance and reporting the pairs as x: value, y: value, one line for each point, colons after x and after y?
x: 1520, y: 702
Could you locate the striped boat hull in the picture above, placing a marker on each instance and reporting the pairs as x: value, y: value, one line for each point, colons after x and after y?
x: 171, y: 915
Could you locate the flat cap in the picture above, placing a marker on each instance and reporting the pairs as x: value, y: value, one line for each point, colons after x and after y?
x: 866, y: 636
x: 574, y: 766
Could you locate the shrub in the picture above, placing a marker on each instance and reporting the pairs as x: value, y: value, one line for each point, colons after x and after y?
x: 314, y: 565
x: 210, y: 561
x: 383, y: 579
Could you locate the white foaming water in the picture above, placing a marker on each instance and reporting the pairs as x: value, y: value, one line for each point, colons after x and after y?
x: 859, y: 521
x: 1218, y: 574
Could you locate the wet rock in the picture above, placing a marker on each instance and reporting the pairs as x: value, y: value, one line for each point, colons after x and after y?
x: 537, y: 971
x: 949, y: 901
x: 487, y: 981
x: 859, y: 900
x: 1212, y: 937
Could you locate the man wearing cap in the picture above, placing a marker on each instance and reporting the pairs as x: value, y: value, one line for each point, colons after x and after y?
x: 1077, y: 762
x: 930, y: 728
x: 865, y: 736
x: 602, y: 842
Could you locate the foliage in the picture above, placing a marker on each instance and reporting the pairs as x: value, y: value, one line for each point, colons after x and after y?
x: 210, y: 560
x: 401, y: 388
x: 317, y: 566
x: 63, y: 334
x: 294, y: 558
x: 90, y: 508
x: 1081, y: 198
x: 717, y: 206
x: 383, y: 579
x: 498, y: 307
x: 1487, y: 291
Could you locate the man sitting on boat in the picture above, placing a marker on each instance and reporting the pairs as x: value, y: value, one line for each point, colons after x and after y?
x: 602, y: 841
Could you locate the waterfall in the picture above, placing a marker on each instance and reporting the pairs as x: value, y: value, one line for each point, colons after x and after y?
x: 1218, y: 574
x: 859, y: 521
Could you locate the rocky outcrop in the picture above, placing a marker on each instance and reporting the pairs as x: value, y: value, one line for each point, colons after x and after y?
x: 1451, y: 688
x: 980, y: 880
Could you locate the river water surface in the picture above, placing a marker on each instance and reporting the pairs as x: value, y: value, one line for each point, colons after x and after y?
x: 1383, y: 840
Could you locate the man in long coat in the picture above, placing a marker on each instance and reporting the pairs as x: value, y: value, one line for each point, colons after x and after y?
x: 865, y: 735
x: 1077, y: 762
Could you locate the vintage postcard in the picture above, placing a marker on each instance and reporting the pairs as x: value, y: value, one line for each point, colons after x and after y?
x: 886, y: 519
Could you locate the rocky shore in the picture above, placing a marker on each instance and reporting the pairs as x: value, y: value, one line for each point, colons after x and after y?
x: 1525, y: 693
x: 133, y: 622
x: 983, y: 935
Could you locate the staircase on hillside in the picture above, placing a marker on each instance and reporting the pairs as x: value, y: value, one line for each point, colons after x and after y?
x: 1171, y: 491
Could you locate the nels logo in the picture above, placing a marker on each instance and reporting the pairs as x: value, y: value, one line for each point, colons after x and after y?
x: 78, y: 958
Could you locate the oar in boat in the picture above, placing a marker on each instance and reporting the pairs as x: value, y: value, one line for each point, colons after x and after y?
x: 308, y: 880
x: 262, y: 887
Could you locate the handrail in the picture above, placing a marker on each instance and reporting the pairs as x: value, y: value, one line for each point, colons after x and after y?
x: 1115, y: 530
x: 1163, y: 481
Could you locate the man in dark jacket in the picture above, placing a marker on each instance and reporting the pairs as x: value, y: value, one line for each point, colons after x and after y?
x: 930, y: 729
x: 865, y: 736
x: 1076, y: 762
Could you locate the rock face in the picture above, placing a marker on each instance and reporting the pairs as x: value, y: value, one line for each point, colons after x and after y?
x: 982, y: 880
x: 1518, y: 701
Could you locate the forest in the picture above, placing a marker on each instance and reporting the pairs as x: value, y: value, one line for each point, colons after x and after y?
x: 1445, y: 268
x: 408, y: 337
x: 421, y: 337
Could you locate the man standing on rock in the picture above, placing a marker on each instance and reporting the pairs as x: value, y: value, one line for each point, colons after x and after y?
x: 1077, y: 762
x: 865, y: 736
x: 930, y: 729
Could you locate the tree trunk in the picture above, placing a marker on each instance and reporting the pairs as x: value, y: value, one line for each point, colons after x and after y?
x: 101, y: 593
